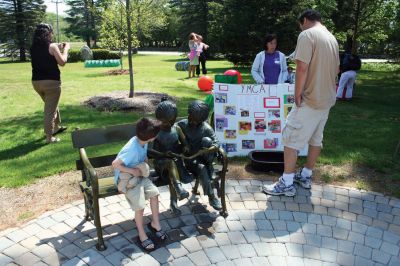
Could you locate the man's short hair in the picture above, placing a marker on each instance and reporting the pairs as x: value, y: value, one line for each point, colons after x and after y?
x: 310, y: 14
x: 147, y: 128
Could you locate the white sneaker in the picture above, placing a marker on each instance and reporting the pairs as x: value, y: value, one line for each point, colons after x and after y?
x: 305, y: 182
x: 279, y: 188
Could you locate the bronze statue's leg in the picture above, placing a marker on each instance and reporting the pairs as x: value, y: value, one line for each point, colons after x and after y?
x: 173, y: 176
x: 205, y: 180
x: 173, y: 200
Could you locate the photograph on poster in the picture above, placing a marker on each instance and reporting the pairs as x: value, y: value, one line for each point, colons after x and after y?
x: 260, y: 125
x: 274, y: 113
x: 221, y: 123
x: 272, y: 103
x: 244, y: 127
x: 230, y: 134
x: 271, y: 143
x: 248, y: 144
x: 287, y: 108
x: 288, y: 99
x: 230, y: 110
x: 229, y: 147
x: 221, y: 98
x: 274, y: 126
x: 244, y: 112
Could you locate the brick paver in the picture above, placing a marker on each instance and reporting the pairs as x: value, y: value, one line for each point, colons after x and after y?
x: 326, y: 225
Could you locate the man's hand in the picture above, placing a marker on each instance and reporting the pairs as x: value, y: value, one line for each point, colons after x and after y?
x: 301, y: 75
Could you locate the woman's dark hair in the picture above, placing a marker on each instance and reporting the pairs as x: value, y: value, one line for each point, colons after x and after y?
x: 198, y: 110
x: 147, y: 128
x: 269, y: 38
x: 43, y: 34
x: 310, y: 14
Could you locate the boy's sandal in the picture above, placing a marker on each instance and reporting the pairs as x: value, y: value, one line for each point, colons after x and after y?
x: 147, y: 243
x: 159, y: 234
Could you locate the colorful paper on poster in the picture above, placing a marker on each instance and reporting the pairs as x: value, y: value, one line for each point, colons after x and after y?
x: 288, y: 99
x: 229, y: 147
x: 271, y: 143
x: 260, y: 125
x: 244, y: 112
x: 274, y: 113
x: 286, y: 109
x: 230, y: 134
x: 259, y: 115
x: 221, y: 122
x: 244, y: 127
x: 230, y: 110
x: 221, y: 98
x: 274, y: 126
x: 248, y: 144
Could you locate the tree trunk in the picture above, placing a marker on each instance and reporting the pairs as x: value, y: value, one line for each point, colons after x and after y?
x: 87, y: 35
x: 128, y: 23
x: 356, y: 24
x: 20, y: 29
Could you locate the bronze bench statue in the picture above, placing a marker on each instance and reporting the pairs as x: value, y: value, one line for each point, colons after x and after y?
x: 94, y: 187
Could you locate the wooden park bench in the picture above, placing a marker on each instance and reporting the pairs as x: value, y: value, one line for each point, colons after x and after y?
x: 95, y: 187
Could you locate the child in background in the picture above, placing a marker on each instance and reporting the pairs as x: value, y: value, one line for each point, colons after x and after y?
x: 291, y: 76
x: 194, y: 54
x: 129, y: 166
x: 201, y: 47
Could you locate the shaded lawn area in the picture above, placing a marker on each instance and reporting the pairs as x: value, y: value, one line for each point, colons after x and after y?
x: 364, y: 132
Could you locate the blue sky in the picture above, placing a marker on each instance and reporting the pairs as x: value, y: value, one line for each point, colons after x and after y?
x: 51, y: 7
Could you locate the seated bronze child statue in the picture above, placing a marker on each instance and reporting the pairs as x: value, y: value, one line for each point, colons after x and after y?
x: 170, y: 140
x: 203, y: 147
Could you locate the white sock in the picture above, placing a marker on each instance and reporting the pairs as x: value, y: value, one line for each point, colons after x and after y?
x: 306, y: 172
x: 288, y: 179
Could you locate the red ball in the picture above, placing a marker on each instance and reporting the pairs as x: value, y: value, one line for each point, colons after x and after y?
x: 232, y: 72
x: 205, y: 83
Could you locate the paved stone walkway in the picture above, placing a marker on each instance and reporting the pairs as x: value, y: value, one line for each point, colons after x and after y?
x: 326, y: 225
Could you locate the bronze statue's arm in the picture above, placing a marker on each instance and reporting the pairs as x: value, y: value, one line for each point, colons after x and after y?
x: 157, y: 154
x: 182, y: 139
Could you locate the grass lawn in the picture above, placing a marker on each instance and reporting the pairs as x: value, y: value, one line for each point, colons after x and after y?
x: 364, y: 132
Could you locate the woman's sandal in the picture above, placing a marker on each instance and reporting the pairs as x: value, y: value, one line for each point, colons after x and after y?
x: 159, y: 234
x: 52, y: 140
x: 146, y: 244
x: 60, y: 130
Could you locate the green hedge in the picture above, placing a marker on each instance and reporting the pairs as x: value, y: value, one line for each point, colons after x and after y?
x: 74, y: 55
x: 103, y: 54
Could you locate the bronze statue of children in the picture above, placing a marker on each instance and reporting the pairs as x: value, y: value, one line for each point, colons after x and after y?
x: 203, y: 145
x: 170, y: 140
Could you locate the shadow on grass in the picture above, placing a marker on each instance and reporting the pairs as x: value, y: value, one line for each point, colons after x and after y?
x: 22, y: 150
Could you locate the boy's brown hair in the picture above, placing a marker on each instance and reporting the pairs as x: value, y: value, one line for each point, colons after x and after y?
x: 147, y: 128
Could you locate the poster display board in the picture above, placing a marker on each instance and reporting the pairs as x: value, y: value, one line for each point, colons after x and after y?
x: 251, y: 117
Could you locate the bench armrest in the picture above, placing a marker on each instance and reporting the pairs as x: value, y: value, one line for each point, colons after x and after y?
x: 90, y: 172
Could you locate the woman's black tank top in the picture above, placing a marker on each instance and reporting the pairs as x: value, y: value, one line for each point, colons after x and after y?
x: 44, y: 65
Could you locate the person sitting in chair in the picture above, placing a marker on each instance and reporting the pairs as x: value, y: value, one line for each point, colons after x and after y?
x: 203, y: 145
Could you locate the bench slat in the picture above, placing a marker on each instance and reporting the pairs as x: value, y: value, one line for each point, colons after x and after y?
x: 97, y: 162
x: 96, y: 136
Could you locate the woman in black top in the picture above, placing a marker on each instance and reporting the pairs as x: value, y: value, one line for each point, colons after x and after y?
x: 46, y: 56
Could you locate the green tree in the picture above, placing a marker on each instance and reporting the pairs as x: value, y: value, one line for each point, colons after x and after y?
x: 244, y: 26
x: 364, y: 21
x: 84, y: 19
x: 18, y: 21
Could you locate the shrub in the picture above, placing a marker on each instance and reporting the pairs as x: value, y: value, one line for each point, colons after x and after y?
x: 74, y: 55
x: 103, y: 54
x: 244, y: 59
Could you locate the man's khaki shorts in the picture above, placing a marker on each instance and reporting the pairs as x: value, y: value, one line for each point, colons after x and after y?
x: 304, y: 125
x: 144, y: 190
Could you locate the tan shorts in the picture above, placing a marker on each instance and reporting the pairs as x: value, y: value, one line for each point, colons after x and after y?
x: 304, y: 125
x: 144, y: 190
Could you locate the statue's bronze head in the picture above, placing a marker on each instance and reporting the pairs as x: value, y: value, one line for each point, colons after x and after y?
x: 166, y: 112
x: 197, y: 112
